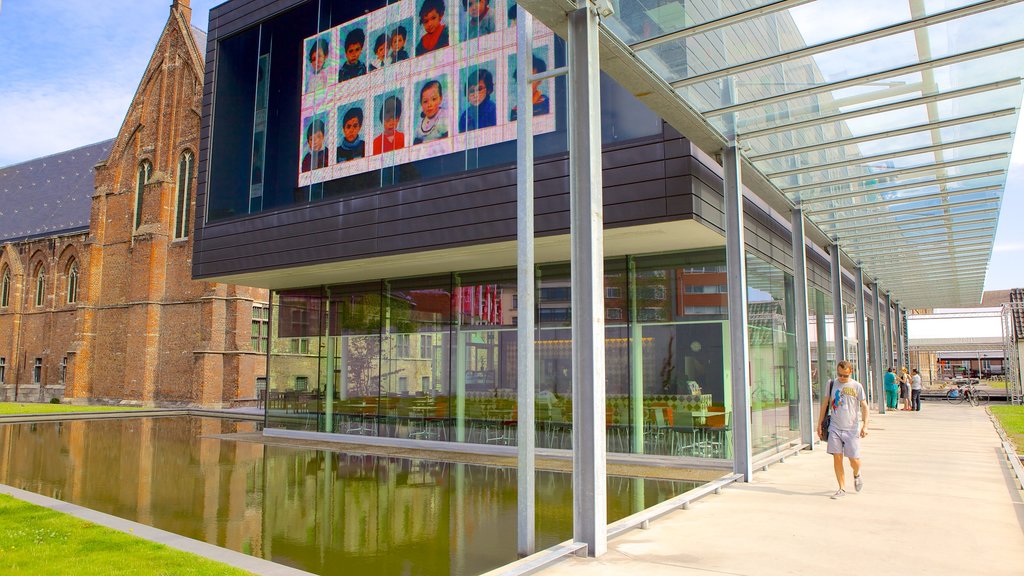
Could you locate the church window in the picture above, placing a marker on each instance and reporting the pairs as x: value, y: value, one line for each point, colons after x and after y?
x: 145, y: 171
x: 73, y: 282
x: 184, y: 184
x: 40, y: 285
x: 5, y: 289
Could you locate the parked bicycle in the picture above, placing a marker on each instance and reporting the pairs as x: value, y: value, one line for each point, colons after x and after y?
x: 968, y: 392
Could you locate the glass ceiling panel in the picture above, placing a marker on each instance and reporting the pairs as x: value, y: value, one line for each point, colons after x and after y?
x: 964, y: 107
x: 891, y: 117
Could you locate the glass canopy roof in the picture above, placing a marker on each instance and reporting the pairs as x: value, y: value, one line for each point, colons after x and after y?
x: 889, y: 121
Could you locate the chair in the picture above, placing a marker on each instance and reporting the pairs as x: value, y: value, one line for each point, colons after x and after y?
x: 689, y: 433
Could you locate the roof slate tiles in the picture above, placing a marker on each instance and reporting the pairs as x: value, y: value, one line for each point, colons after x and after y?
x: 49, y: 195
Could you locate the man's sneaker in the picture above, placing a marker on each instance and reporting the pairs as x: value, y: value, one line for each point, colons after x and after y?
x: 839, y: 494
x: 858, y: 483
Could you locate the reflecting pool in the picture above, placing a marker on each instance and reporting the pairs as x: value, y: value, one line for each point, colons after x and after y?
x: 317, y: 510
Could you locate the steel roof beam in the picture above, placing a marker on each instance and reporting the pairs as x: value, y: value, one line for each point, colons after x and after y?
x: 886, y: 241
x: 885, y: 251
x: 851, y: 40
x: 908, y: 186
x: 893, y: 133
x: 920, y: 226
x: 966, y: 257
x: 880, y: 109
x: 969, y: 252
x: 905, y: 211
x: 731, y: 19
x: 928, y: 218
x: 906, y: 199
x: 901, y: 172
x: 811, y: 168
x: 929, y: 64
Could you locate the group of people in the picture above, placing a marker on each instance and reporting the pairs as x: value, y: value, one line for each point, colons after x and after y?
x: 903, y: 392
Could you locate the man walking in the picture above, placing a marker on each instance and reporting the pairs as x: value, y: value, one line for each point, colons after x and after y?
x: 848, y: 404
x: 915, y: 391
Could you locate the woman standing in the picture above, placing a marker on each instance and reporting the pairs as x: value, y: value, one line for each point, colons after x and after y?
x: 905, y: 388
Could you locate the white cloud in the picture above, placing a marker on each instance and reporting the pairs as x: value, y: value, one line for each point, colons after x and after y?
x: 45, y: 120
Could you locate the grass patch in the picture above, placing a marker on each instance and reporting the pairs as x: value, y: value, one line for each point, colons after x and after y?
x: 35, y: 408
x: 1011, y: 418
x: 37, y: 540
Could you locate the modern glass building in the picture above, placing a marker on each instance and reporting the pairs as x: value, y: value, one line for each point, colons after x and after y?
x: 765, y: 192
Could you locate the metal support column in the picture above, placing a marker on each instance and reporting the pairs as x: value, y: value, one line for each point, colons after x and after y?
x: 876, y: 349
x: 735, y: 257
x: 838, y: 319
x: 526, y: 431
x: 590, y: 514
x: 899, y: 338
x: 862, y: 339
x: 803, y: 348
x: 889, y: 331
x: 904, y: 338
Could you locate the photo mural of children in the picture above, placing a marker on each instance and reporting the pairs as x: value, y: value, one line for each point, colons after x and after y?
x: 318, y: 50
x: 353, y: 39
x: 433, y: 28
x: 541, y: 103
x: 389, y: 110
x: 380, y: 49
x: 478, y: 107
x: 512, y: 13
x: 477, y: 19
x: 350, y: 133
x: 433, y: 118
x: 399, y: 34
x: 314, y: 151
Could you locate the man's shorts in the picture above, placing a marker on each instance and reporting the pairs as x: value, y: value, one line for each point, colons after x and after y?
x: 845, y: 442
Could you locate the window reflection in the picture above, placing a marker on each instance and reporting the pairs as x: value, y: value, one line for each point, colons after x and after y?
x: 436, y: 358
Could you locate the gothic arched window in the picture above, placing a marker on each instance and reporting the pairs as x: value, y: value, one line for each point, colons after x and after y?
x: 145, y: 171
x: 5, y: 289
x: 40, y: 277
x: 72, y: 282
x: 181, y: 205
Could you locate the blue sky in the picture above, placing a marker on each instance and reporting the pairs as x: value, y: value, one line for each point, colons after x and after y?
x: 69, y: 69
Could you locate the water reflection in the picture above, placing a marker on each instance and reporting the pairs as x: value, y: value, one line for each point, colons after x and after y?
x: 312, y: 509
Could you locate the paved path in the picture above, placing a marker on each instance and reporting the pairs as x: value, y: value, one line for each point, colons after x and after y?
x: 938, y: 499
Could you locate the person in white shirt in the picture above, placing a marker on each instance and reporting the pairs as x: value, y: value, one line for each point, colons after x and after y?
x: 848, y: 404
x: 915, y: 391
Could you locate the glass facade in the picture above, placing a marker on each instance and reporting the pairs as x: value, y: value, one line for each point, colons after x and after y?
x: 821, y: 337
x: 774, y: 392
x: 434, y: 358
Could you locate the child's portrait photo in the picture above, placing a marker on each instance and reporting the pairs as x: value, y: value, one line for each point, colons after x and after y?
x: 476, y: 97
x: 379, y: 56
x: 476, y: 19
x: 352, y: 40
x: 398, y: 35
x: 433, y: 28
x: 351, y: 144
x: 431, y: 123
x: 540, y: 99
x: 388, y: 109
x: 317, y: 54
x: 511, y: 13
x: 314, y: 143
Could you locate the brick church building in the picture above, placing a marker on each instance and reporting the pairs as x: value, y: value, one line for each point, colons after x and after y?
x: 97, y: 303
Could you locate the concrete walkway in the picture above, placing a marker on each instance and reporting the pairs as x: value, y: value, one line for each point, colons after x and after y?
x: 938, y: 498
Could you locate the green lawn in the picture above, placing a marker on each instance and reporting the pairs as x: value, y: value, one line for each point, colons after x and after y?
x: 1012, y: 420
x: 35, y: 408
x: 37, y: 540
